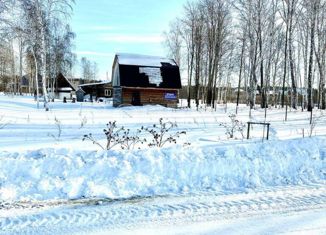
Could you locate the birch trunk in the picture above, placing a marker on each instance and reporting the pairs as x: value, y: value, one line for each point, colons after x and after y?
x: 36, y: 79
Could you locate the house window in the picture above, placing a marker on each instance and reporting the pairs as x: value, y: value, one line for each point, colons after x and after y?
x: 107, y: 92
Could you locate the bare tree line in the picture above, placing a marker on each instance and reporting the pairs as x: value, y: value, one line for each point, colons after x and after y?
x: 89, y: 69
x: 44, y: 38
x: 36, y: 39
x: 271, y: 51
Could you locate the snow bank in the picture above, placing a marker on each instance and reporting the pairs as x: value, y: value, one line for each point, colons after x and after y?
x: 67, y: 174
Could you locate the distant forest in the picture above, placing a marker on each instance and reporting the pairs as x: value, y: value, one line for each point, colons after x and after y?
x: 273, y: 51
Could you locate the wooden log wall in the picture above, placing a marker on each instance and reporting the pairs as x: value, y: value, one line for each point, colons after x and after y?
x: 151, y: 96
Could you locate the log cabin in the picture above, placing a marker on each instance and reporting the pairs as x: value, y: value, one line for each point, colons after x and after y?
x: 140, y: 79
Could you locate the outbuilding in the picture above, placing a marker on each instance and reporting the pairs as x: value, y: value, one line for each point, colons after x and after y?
x: 141, y: 79
x: 97, y: 90
x: 80, y: 93
x: 62, y: 88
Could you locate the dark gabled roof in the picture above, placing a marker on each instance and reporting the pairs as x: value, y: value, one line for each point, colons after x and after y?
x: 147, y: 71
x: 62, y: 82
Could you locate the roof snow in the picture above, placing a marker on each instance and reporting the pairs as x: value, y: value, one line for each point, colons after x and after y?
x: 94, y: 83
x: 143, y: 60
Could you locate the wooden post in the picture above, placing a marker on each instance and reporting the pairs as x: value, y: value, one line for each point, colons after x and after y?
x: 248, y: 131
x: 267, y: 131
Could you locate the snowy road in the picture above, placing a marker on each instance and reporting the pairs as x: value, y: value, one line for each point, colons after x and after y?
x: 289, y: 210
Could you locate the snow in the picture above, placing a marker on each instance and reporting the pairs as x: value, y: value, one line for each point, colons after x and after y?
x: 142, y: 60
x: 60, y: 173
x: 298, y: 223
x: 94, y: 83
x: 154, y: 74
x: 65, y: 89
x: 31, y: 128
x: 274, y: 210
x: 43, y: 158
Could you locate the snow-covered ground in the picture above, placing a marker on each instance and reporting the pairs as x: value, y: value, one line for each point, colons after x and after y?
x: 30, y: 128
x: 68, y: 174
x: 45, y: 164
x: 273, y: 210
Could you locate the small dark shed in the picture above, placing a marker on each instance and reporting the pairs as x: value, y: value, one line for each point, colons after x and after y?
x: 141, y: 79
x: 80, y: 93
x: 98, y: 89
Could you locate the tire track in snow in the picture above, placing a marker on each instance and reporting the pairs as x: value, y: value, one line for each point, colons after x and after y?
x: 167, y: 210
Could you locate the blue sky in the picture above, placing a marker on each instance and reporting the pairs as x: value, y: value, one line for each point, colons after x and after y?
x: 105, y: 27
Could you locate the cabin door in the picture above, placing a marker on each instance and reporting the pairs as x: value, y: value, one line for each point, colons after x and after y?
x: 135, y: 99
